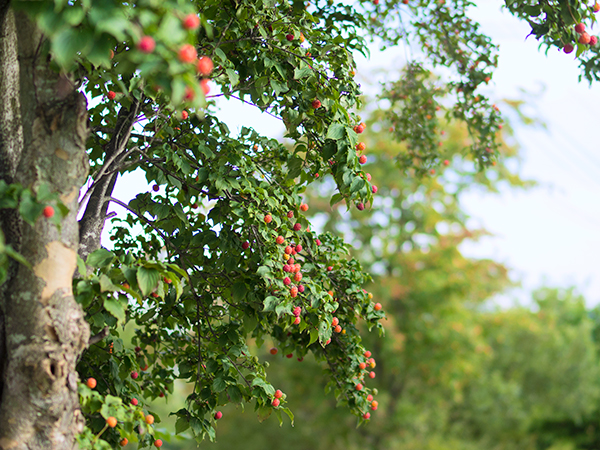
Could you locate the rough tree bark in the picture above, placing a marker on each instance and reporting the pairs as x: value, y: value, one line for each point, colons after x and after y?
x: 44, y: 328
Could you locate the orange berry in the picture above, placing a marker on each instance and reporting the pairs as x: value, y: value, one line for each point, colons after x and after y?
x: 91, y: 383
x: 123, y: 442
x: 111, y: 422
x: 377, y: 306
x: 149, y: 419
x: 158, y: 443
x: 268, y: 218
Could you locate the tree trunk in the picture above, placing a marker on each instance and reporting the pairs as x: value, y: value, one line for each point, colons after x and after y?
x: 44, y: 328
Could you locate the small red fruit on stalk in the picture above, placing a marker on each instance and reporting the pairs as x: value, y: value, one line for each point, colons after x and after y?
x: 289, y: 355
x: 289, y: 37
x: 48, y: 212
x: 358, y: 387
x: 134, y: 401
x: 360, y: 206
x: 593, y: 40
x: 362, y: 159
x: 304, y: 207
x: 205, y: 87
x: 584, y: 38
x: 568, y: 48
x: 580, y: 28
x: 297, y: 311
x: 298, y: 248
x: 338, y: 329
x: 184, y: 115
x: 268, y: 218
x: 123, y: 442
x: 377, y: 306
x: 367, y: 416
x: 191, y: 22
x: 596, y: 7
x: 446, y: 162
x: 335, y: 322
x: 134, y: 375
x: 287, y: 281
x: 371, y: 374
x: 297, y: 227
x: 374, y: 189
x: 297, y: 321
x: 218, y: 415
x: 273, y: 351
x: 297, y: 276
x: 316, y: 103
x: 367, y: 354
x: 205, y: 66
x: 279, y: 240
x: 146, y: 44
x: 361, y: 146
x: 275, y: 402
x: 187, y: 53
x: 329, y: 268
x: 293, y: 291
x: 111, y: 95
x: 245, y: 245
x: 91, y: 383
x: 288, y: 250
x: 158, y: 443
x: 301, y: 288
x: 278, y: 394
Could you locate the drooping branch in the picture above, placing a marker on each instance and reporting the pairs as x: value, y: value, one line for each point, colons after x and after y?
x: 92, y: 222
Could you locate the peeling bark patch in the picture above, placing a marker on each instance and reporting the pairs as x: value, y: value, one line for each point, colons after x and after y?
x: 56, y: 270
x: 68, y: 198
x: 60, y: 153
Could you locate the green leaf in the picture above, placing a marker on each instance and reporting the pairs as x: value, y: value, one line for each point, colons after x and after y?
x: 270, y: 303
x: 115, y: 308
x: 335, y: 131
x: 357, y: 184
x: 239, y: 291
x: 218, y: 384
x: 100, y: 258
x: 106, y: 284
x: 181, y: 425
x: 147, y: 279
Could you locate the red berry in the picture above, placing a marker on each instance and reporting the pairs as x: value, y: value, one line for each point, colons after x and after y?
x: 161, y: 394
x: 374, y: 189
x: 596, y: 7
x: 134, y: 375
x: 48, y: 212
x: 205, y: 87
x: 218, y: 415
x: 111, y: 95
x: 329, y: 268
x: 316, y: 103
x: 367, y: 354
x: 304, y: 207
x: 290, y: 214
x: 149, y: 419
x: 187, y: 53
x: 158, y: 443
x: 134, y: 401
x: 297, y: 227
x: 184, y: 114
x: 293, y: 291
x: 371, y: 374
x: 296, y: 268
x: 338, y: 329
x: 368, y: 175
x: 297, y: 311
x: 205, y: 66
x: 300, y: 288
x: 91, y: 383
x: 245, y: 245
x: 335, y: 322
x: 361, y: 146
x: 279, y: 240
x: 328, y: 341
x: 362, y: 366
x: 287, y: 268
x: 297, y: 276
x: 298, y: 248
x: 289, y: 37
x: 376, y: 2
x: 123, y: 442
x: 287, y: 281
x: 580, y: 28
x: 584, y: 38
x: 288, y: 250
x: 273, y: 351
x: 593, y: 40
x: 317, y: 241
x: 297, y: 321
x: 191, y: 22
x: 268, y: 218
x: 432, y: 171
x: 358, y: 387
x: 362, y: 159
x: 278, y: 394
x: 369, y: 398
x: 377, y: 306
x: 366, y: 416
x: 111, y: 422
x: 275, y: 402
x: 289, y: 355
x: 446, y: 162
x: 146, y: 44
